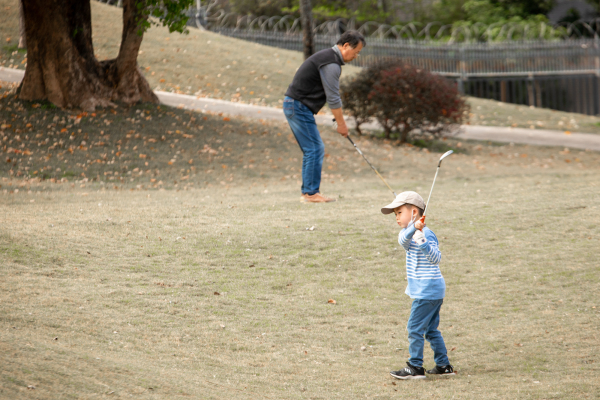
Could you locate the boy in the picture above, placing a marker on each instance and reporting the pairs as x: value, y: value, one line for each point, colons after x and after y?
x: 426, y: 287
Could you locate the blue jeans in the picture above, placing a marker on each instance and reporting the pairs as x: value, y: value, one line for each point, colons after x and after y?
x: 424, y: 321
x: 303, y: 124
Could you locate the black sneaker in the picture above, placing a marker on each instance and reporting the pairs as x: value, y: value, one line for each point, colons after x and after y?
x: 445, y: 370
x: 409, y: 372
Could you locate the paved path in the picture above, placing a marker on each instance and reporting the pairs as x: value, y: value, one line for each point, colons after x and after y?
x: 542, y: 137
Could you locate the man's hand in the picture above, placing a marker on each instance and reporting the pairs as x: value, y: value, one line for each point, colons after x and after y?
x: 341, y: 123
x: 342, y: 130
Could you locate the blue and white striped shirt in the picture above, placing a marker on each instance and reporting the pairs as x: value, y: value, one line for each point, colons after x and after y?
x: 425, y: 280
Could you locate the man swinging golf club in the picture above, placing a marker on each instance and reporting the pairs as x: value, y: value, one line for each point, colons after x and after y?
x: 315, y: 83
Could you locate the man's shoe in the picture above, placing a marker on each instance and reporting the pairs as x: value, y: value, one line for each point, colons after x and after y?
x: 409, y: 372
x: 316, y: 198
x: 445, y: 370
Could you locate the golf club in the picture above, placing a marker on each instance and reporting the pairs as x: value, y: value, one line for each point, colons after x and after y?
x: 370, y: 165
x: 446, y: 154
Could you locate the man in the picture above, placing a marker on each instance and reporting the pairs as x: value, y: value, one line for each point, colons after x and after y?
x: 316, y: 82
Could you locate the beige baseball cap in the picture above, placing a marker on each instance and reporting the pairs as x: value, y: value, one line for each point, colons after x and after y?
x: 404, y: 198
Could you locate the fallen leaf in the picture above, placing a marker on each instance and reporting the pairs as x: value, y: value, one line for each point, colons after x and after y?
x: 217, y: 294
x: 452, y: 349
x: 331, y: 301
x: 251, y: 266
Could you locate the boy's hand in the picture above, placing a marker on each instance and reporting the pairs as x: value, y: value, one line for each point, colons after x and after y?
x: 420, y: 224
x: 419, y: 237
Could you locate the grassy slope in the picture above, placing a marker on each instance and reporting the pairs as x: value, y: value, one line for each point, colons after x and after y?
x: 125, y: 280
x: 207, y: 64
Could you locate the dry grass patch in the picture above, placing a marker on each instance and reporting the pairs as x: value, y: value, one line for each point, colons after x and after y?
x: 218, y: 290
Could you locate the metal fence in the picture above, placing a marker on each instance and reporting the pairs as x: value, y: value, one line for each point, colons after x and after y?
x: 574, y: 93
x: 562, y: 74
x: 457, y: 59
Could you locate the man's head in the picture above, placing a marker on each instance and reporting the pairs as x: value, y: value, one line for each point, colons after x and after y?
x: 408, y: 207
x: 350, y: 45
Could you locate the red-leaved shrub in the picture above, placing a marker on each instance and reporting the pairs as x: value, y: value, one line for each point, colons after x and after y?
x: 405, y: 100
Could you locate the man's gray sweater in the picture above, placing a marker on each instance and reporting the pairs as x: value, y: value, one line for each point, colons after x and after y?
x: 330, y: 77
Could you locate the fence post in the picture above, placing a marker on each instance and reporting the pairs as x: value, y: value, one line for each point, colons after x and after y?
x: 463, y: 71
x: 597, y: 61
x: 538, y: 93
x: 530, y: 92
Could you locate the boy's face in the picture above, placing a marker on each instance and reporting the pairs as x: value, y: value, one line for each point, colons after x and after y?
x: 405, y: 214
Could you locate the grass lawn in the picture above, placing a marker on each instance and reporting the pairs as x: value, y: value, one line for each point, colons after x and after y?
x: 209, y: 65
x: 155, y: 253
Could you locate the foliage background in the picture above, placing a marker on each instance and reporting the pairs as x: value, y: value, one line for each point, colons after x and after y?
x: 419, y: 11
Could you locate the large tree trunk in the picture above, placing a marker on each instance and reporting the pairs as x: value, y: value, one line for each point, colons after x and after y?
x: 61, y: 66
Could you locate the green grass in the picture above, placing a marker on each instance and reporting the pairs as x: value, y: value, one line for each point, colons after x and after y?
x: 107, y: 285
x: 209, y: 65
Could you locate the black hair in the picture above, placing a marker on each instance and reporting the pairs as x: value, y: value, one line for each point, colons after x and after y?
x: 352, y: 38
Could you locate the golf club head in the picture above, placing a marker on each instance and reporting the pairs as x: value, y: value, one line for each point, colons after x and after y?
x: 446, y: 154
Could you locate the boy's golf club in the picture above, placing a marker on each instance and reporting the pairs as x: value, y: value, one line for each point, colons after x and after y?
x: 446, y: 154
x: 363, y: 156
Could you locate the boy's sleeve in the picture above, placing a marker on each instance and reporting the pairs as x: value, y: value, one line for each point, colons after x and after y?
x: 405, y: 237
x: 431, y: 249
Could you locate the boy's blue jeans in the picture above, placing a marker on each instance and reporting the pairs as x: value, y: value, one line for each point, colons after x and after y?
x: 303, y: 124
x: 424, y: 321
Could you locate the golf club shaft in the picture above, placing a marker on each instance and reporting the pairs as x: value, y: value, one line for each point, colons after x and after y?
x: 431, y: 191
x: 446, y: 154
x: 371, y: 165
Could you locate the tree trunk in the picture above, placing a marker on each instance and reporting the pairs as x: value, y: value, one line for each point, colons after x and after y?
x: 307, y: 28
x: 61, y: 66
x: 22, y: 41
